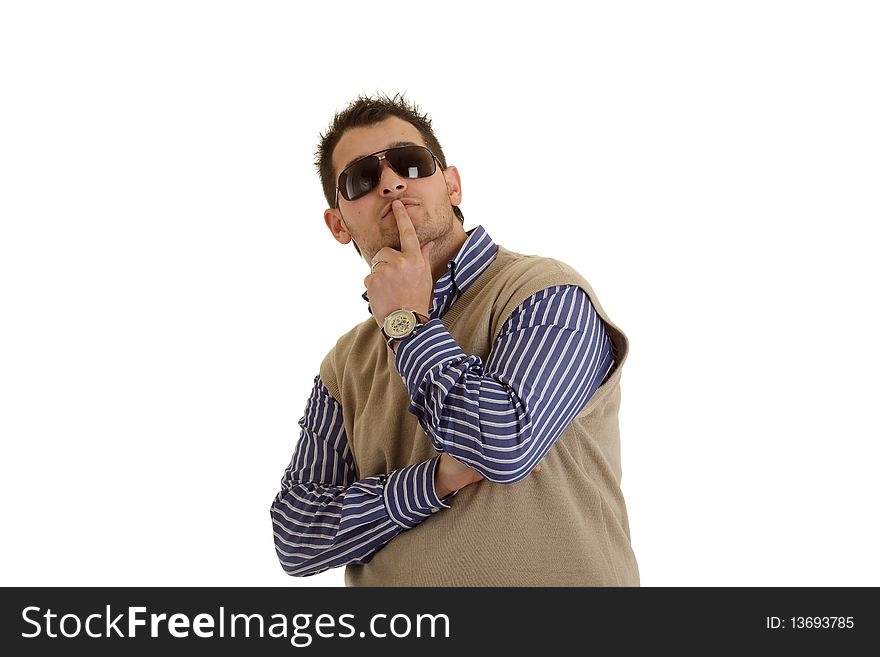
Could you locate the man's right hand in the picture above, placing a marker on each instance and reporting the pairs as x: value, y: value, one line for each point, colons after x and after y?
x: 453, y: 475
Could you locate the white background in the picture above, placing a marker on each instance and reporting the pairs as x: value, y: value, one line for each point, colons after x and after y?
x: 168, y: 287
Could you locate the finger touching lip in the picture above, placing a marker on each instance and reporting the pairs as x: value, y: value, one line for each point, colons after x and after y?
x: 406, y: 204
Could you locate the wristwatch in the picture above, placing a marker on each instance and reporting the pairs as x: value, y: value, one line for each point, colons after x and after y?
x: 401, y: 324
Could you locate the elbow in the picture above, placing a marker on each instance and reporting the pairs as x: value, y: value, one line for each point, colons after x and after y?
x: 292, y: 561
x: 507, y: 478
x: 517, y: 471
x: 300, y: 545
x: 510, y: 467
x: 290, y: 568
x: 294, y: 569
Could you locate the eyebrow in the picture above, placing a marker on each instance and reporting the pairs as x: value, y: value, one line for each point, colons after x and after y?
x: 394, y: 145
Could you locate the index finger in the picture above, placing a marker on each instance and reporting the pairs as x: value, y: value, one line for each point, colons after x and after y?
x: 409, y: 241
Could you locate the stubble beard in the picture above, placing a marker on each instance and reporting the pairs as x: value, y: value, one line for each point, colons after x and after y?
x: 427, y: 230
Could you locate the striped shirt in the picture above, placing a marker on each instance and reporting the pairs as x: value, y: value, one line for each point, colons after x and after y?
x: 499, y: 417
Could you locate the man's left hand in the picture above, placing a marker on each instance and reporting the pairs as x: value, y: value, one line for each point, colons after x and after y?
x: 404, y: 278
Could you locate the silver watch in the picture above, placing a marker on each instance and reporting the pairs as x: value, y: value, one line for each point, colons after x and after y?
x: 401, y: 324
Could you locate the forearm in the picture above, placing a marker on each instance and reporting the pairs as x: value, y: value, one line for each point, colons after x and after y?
x: 462, y: 410
x: 501, y: 417
x: 319, y: 527
x: 322, y: 517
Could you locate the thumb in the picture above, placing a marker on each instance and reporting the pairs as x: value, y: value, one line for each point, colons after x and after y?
x: 426, y: 250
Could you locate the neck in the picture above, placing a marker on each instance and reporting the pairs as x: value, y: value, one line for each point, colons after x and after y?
x: 444, y: 250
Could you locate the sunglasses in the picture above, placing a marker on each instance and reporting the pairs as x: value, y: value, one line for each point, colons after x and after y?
x: 361, y: 177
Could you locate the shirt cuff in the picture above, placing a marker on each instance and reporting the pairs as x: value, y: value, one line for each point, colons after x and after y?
x: 429, y: 347
x: 410, y: 495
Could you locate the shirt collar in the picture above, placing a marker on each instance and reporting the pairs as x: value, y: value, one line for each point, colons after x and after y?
x: 477, y: 253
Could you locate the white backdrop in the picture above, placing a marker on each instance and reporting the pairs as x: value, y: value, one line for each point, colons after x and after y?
x: 168, y: 287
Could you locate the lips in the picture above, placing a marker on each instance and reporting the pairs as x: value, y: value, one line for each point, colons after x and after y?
x: 406, y: 203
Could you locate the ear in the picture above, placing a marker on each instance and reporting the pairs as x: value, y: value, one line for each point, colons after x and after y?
x: 336, y: 225
x: 453, y: 184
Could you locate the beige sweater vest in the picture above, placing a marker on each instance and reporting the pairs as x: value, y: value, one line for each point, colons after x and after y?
x: 563, y: 526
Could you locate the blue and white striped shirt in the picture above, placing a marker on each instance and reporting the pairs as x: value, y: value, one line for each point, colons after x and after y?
x: 499, y: 417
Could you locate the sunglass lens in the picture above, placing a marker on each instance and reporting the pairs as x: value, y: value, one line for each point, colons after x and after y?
x: 411, y: 161
x: 360, y: 178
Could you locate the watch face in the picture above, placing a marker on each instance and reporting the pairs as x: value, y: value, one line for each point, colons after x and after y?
x: 400, y: 323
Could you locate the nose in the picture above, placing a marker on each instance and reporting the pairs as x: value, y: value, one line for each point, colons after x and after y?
x: 390, y: 182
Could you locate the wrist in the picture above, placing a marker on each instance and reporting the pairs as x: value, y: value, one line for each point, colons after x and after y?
x: 440, y: 485
x: 441, y: 489
x: 401, y: 324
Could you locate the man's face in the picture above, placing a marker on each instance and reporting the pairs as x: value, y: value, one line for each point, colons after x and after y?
x: 369, y: 220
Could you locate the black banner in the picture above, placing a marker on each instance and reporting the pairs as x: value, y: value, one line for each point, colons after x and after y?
x: 433, y: 621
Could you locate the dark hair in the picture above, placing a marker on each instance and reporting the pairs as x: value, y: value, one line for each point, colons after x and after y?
x: 367, y: 111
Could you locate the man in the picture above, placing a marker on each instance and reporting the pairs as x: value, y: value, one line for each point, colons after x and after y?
x: 466, y: 433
